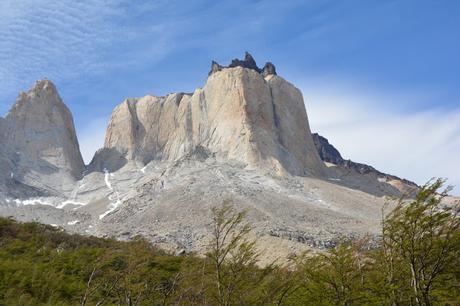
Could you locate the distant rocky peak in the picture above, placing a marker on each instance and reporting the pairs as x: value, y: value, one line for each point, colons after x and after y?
x: 43, y: 91
x: 328, y: 153
x: 42, y: 87
x: 248, y: 62
x: 44, y: 84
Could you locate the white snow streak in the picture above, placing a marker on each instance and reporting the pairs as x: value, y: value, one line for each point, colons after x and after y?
x: 107, y: 179
x: 113, y: 205
x: 34, y: 202
x: 71, y: 202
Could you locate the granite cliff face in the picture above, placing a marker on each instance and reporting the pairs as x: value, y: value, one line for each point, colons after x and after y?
x: 239, y: 114
x: 40, y: 147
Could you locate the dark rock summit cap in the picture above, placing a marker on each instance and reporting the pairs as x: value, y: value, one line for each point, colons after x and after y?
x: 248, y: 62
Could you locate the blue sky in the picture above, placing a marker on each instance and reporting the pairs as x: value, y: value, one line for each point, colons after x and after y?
x: 380, y: 78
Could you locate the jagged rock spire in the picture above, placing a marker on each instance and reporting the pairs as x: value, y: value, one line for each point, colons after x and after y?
x: 215, y: 67
x: 269, y: 69
x: 248, y: 62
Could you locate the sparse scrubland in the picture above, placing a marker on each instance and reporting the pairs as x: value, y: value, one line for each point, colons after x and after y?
x: 415, y: 262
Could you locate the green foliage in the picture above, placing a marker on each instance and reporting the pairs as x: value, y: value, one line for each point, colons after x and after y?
x: 41, y: 265
x: 416, y: 262
x: 333, y: 278
x: 421, y: 239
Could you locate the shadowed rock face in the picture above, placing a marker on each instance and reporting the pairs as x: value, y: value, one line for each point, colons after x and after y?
x: 238, y: 115
x: 40, y: 140
x: 326, y: 151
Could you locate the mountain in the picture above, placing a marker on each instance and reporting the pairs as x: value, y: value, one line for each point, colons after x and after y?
x: 360, y: 176
x: 40, y: 153
x: 238, y: 115
x: 166, y: 161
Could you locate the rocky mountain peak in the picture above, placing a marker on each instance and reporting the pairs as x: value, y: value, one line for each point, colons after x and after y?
x: 238, y: 115
x: 41, y: 138
x: 329, y: 154
x: 248, y: 62
x: 43, y: 91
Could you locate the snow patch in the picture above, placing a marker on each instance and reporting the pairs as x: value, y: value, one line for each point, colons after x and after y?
x: 34, y: 202
x: 73, y: 222
x: 112, y: 207
x: 107, y: 175
x: 334, y: 179
x: 71, y: 202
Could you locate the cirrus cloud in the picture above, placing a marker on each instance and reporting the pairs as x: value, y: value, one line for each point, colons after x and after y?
x: 417, y: 144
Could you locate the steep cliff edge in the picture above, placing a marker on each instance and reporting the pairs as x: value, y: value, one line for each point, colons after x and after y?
x: 239, y: 114
x: 40, y: 145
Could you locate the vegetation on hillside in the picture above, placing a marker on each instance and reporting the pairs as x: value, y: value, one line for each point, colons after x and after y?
x: 416, y: 262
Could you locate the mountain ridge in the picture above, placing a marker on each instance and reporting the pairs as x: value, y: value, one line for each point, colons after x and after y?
x: 166, y: 161
x: 329, y: 154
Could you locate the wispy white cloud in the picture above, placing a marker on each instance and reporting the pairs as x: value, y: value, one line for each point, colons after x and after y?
x: 57, y: 37
x: 416, y: 145
x: 66, y: 40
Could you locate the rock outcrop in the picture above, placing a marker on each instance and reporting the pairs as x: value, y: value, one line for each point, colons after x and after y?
x: 268, y: 69
x: 238, y: 115
x: 326, y: 151
x: 329, y: 154
x: 41, y: 147
x: 248, y: 62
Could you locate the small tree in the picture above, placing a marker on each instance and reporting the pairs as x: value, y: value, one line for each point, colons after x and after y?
x: 422, y: 236
x: 230, y: 250
x: 233, y: 257
x: 333, y: 278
